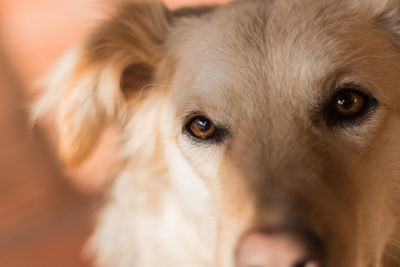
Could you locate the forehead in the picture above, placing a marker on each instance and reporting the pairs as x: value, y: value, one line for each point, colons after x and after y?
x: 260, y: 53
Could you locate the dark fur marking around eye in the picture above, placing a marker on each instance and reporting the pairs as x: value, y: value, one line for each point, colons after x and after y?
x: 334, y: 118
x: 327, y: 113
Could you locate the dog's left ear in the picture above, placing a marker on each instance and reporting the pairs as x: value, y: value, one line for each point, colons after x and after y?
x: 387, y: 15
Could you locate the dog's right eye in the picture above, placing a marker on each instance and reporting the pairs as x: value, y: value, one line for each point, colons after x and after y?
x: 200, y: 127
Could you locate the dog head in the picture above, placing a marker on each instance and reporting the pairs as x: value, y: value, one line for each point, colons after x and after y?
x: 276, y: 120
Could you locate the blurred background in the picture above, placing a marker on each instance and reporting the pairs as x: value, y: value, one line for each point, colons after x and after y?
x: 46, y: 213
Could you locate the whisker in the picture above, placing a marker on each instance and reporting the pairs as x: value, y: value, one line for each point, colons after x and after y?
x: 367, y: 57
x: 150, y: 85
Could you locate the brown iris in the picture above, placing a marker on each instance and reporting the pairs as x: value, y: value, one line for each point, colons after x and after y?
x: 201, y: 127
x: 349, y: 103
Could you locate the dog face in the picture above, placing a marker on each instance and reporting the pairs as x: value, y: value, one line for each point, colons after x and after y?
x: 260, y: 133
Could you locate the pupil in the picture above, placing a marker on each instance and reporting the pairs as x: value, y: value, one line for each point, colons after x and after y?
x: 203, y: 124
x: 347, y: 101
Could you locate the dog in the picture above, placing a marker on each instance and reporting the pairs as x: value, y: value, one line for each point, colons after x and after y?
x: 255, y: 133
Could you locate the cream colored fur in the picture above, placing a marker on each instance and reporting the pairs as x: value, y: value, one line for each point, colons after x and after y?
x: 263, y: 68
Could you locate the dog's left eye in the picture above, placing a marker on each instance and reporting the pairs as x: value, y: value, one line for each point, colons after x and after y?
x: 349, y: 105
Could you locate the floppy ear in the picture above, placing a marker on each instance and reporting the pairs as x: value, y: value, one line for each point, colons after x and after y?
x: 388, y: 16
x: 90, y: 86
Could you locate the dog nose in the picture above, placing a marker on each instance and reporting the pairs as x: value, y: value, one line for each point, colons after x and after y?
x: 279, y: 248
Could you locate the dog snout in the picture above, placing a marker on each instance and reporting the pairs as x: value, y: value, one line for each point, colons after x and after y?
x: 279, y: 248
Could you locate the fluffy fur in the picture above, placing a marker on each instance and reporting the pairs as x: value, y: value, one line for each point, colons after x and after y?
x: 263, y: 69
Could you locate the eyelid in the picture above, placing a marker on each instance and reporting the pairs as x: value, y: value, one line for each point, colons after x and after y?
x: 193, y: 114
x: 343, y: 86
